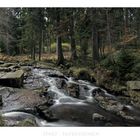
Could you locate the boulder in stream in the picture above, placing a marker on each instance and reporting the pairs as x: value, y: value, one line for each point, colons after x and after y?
x: 73, y: 90
x: 1, y: 102
x: 98, y: 117
x: 12, y: 79
x: 44, y: 112
x: 97, y: 90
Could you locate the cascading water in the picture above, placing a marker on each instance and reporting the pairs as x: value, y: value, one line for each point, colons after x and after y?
x: 73, y: 111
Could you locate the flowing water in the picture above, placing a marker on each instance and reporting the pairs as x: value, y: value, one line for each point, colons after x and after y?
x: 84, y: 110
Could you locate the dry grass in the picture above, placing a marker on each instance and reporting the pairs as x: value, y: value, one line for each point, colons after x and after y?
x: 23, y: 58
x: 53, y: 56
x: 20, y: 58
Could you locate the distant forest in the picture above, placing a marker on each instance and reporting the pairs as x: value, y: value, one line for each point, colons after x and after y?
x: 32, y: 31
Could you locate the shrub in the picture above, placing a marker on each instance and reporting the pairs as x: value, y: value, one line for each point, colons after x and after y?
x: 2, y: 46
x: 136, y: 71
x: 124, y: 63
x: 80, y: 73
x: 121, y: 63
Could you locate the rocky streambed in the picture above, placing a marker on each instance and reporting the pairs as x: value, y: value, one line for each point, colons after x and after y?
x: 49, y: 98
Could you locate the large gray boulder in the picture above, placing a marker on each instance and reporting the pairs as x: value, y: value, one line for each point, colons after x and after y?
x: 73, y: 90
x: 12, y: 79
x: 133, y: 85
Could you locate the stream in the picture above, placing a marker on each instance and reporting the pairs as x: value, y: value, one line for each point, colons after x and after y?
x: 54, y: 100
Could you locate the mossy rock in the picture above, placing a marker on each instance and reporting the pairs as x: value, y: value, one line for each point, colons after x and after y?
x: 135, y: 97
x: 27, y: 123
x: 13, y: 79
x: 80, y: 73
x: 1, y: 121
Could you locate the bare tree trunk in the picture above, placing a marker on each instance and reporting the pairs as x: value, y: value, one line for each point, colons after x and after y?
x: 60, y: 57
x: 94, y: 41
x: 34, y: 52
x: 72, y: 40
x: 109, y: 43
x: 138, y: 26
x: 40, y: 44
x: 125, y: 21
x: 7, y: 44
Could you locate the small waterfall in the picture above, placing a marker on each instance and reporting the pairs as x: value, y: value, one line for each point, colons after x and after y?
x: 90, y: 100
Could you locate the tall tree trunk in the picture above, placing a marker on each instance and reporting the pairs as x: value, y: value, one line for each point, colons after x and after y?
x: 108, y: 31
x: 138, y: 26
x: 72, y: 40
x: 7, y: 44
x: 34, y: 52
x: 40, y: 44
x: 73, y: 49
x: 125, y: 21
x: 60, y: 57
x: 94, y: 41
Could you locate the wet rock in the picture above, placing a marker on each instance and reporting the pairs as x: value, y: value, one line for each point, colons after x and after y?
x: 1, y: 102
x: 135, y: 98
x: 1, y: 62
x: 50, y: 101
x: 19, y: 98
x: 98, y: 117
x: 7, y: 64
x: 60, y: 83
x: 108, y: 124
x: 2, y: 122
x: 96, y: 91
x: 6, y: 91
x: 26, y: 68
x: 26, y: 123
x: 5, y: 69
x: 115, y: 107
x: 73, y: 90
x: 14, y: 67
x: 12, y: 79
x: 58, y: 76
x: 125, y: 115
x: 44, y: 112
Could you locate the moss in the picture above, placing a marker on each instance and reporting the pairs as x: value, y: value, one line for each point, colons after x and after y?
x: 80, y: 73
x: 135, y: 97
x: 1, y: 121
x: 65, y: 47
x: 27, y: 122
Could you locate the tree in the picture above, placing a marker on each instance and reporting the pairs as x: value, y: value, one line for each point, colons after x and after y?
x: 95, y: 38
x: 72, y: 35
x: 5, y: 35
x: 108, y: 29
x: 60, y: 57
x: 138, y: 25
